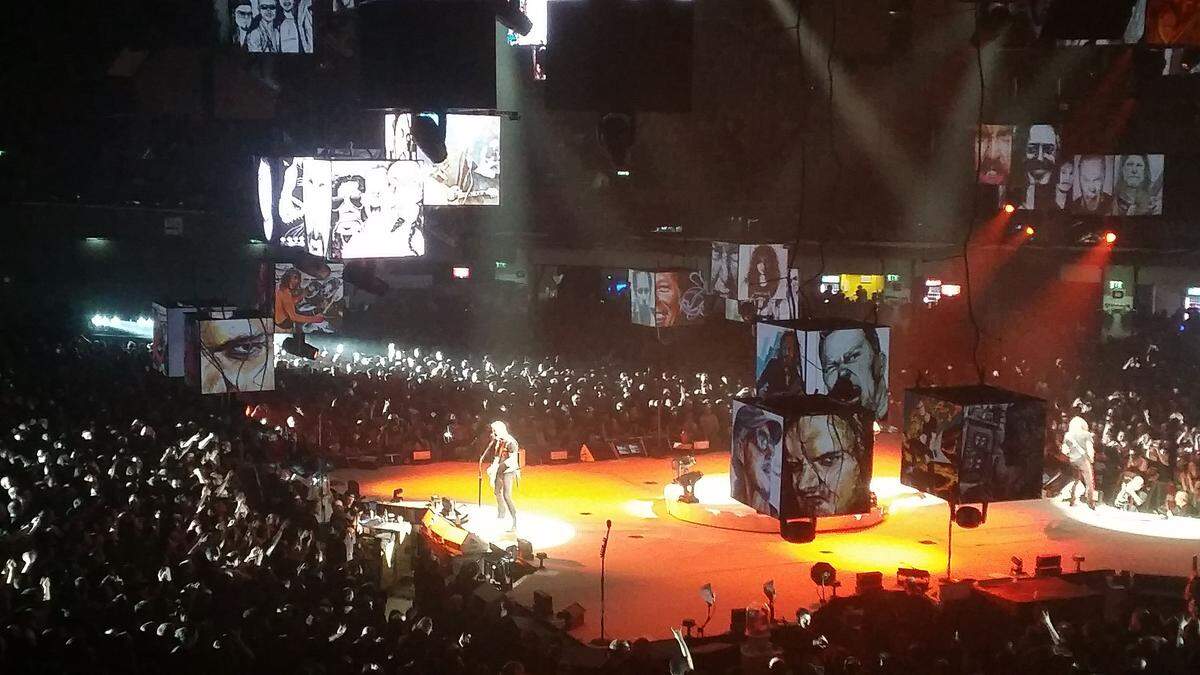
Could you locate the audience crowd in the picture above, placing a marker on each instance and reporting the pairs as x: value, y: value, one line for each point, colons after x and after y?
x: 144, y: 528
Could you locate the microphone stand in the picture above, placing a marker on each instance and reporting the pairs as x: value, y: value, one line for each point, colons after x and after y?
x: 479, y: 475
x: 602, y: 641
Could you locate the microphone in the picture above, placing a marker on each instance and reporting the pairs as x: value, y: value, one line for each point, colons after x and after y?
x: 608, y: 524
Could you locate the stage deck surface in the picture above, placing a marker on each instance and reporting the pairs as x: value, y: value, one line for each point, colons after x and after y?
x: 657, y: 564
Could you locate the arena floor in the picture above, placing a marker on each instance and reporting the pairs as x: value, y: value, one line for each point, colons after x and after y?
x: 657, y: 563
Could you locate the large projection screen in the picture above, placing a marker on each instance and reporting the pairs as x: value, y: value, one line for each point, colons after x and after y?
x: 470, y: 175
x: 343, y: 209
x: 266, y: 26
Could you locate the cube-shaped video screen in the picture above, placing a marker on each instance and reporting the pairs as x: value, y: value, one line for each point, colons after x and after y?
x: 266, y: 26
x: 973, y: 444
x: 801, y: 456
x: 470, y: 174
x: 845, y: 360
x: 309, y: 296
x: 342, y: 209
x: 666, y: 298
x: 231, y: 355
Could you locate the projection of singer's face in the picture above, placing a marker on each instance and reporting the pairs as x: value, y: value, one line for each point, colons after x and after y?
x: 828, y: 473
x: 641, y: 293
x: 236, y: 355
x: 1041, y: 151
x: 287, y: 5
x: 995, y: 154
x: 1133, y: 170
x: 847, y: 354
x: 753, y: 436
x: 666, y: 300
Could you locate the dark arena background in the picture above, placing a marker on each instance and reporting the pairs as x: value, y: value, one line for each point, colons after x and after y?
x: 600, y: 336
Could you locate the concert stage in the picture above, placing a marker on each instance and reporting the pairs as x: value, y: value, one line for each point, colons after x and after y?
x: 657, y: 563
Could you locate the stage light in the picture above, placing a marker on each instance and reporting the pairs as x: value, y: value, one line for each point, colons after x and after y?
x: 298, y: 347
x: 429, y: 133
x: 1018, y: 567
x: 461, y: 272
x: 616, y: 132
x: 688, y: 482
x: 1010, y: 208
x: 823, y: 574
x: 1109, y: 237
x: 509, y: 14
x: 969, y: 517
x: 1029, y: 231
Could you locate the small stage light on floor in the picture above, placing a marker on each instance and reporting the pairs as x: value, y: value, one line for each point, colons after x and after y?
x: 686, y: 478
x: 1010, y: 208
x: 1109, y: 237
x: 824, y: 576
x: 1078, y: 559
x: 1018, y: 567
x: 913, y: 580
x: 1048, y: 565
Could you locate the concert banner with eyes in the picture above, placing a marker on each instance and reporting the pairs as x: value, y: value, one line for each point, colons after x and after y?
x: 234, y: 355
x: 973, y: 444
x: 470, y: 173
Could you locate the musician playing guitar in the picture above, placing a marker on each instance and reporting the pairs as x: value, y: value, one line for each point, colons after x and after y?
x: 504, y: 471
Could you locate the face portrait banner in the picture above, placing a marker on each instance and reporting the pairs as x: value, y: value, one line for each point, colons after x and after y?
x: 641, y: 297
x: 311, y: 299
x: 850, y: 365
x: 724, y: 271
x: 993, y: 150
x: 756, y: 458
x: 762, y: 272
x: 828, y: 464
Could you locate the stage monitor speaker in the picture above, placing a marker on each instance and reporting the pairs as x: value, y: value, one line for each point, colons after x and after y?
x: 489, y: 597
x: 912, y: 578
x: 543, y: 605
x: 572, y: 616
x: 867, y: 582
x: 798, y: 530
x: 737, y: 622
x: 558, y: 456
x: 421, y: 456
x: 1048, y: 565
x: 603, y: 452
x: 453, y: 537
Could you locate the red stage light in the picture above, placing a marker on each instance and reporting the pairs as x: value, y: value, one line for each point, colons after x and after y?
x: 1029, y: 231
x: 1009, y: 208
x: 1110, y: 237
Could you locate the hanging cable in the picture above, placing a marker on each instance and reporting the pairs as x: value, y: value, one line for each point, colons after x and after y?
x: 978, y: 333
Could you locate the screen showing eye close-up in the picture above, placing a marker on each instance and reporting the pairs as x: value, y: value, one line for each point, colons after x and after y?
x: 236, y: 355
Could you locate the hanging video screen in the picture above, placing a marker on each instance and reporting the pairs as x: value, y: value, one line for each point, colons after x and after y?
x: 666, y: 299
x: 537, y: 35
x: 776, y: 309
x: 850, y: 365
x: 828, y: 460
x: 236, y: 355
x: 756, y: 458
x: 1172, y: 22
x: 344, y: 209
x: 762, y: 272
x: 1181, y: 61
x: 470, y: 175
x: 313, y: 298
x: 266, y: 26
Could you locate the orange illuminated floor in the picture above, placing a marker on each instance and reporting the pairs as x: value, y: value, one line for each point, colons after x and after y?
x: 656, y: 564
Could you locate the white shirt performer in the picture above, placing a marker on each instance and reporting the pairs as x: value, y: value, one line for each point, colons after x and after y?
x: 504, y: 471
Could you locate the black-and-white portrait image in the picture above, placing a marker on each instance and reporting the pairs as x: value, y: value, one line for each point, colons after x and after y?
x: 343, y: 210
x: 1138, y: 185
x: 724, y: 269
x: 641, y: 297
x: 851, y: 366
x: 828, y: 465
x: 375, y: 210
x: 1093, y: 191
x: 293, y: 196
x: 767, y: 309
x: 1037, y: 151
x: 266, y: 26
x: 470, y: 175
x: 778, y: 364
x: 762, y: 272
x: 236, y: 355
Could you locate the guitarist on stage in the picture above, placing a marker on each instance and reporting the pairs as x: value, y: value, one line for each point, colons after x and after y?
x: 504, y: 471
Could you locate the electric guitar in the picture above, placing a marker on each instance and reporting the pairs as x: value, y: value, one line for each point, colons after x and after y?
x: 501, y: 456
